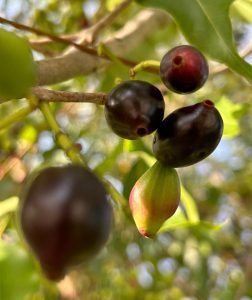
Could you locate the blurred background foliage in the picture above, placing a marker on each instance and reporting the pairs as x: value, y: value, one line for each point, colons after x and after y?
x: 184, y: 262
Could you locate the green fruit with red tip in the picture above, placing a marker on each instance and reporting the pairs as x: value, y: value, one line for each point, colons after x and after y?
x: 154, y: 198
x: 134, y: 109
x: 188, y: 135
x: 65, y: 218
x: 184, y: 69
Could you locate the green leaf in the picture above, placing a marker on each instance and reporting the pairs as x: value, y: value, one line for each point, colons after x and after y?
x: 29, y: 134
x: 8, y: 205
x: 3, y: 224
x: 109, y: 161
x: 178, y: 220
x: 136, y: 145
x: 138, y: 169
x: 244, y: 9
x: 230, y: 113
x: 206, y: 25
x: 189, y: 205
x: 111, y: 4
x: 21, y: 279
x: 17, y: 67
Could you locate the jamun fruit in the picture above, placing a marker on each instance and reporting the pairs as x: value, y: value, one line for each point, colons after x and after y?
x: 188, y: 135
x: 65, y: 218
x: 184, y: 69
x: 134, y: 109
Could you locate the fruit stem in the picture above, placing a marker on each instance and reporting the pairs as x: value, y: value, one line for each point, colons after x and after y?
x: 146, y: 65
x: 16, y: 117
x: 62, y: 139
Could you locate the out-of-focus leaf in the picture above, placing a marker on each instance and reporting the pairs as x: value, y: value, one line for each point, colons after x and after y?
x: 134, y: 174
x: 244, y: 9
x: 111, y: 4
x: 136, y: 145
x: 178, y: 220
x: 206, y: 23
x: 21, y: 280
x: 230, y: 114
x: 29, y: 134
x: 8, y: 205
x: 149, y: 159
x: 3, y: 224
x: 109, y: 161
x: 189, y: 205
x: 17, y: 67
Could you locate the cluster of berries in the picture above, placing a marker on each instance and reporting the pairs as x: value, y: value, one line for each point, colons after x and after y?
x: 65, y: 215
x: 186, y: 136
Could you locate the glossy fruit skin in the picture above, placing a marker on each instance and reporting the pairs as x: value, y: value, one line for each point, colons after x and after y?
x: 134, y: 109
x: 188, y: 135
x: 65, y: 218
x: 154, y: 198
x: 184, y: 69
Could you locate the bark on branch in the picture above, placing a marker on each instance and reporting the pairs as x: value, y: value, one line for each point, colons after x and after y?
x: 62, y: 96
x: 75, y: 62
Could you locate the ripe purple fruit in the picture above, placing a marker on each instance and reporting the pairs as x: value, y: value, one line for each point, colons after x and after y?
x: 188, y: 135
x: 134, y: 109
x: 65, y: 218
x: 184, y: 69
x: 154, y: 198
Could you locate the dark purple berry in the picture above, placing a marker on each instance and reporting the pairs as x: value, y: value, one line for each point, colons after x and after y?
x: 184, y: 69
x: 65, y: 218
x: 188, y: 135
x: 134, y: 109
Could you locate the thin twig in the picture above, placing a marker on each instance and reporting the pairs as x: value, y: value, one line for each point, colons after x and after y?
x: 76, y: 63
x: 92, y: 32
x: 62, y: 96
x: 221, y: 68
x: 88, y: 35
x: 10, y: 162
x: 58, y: 39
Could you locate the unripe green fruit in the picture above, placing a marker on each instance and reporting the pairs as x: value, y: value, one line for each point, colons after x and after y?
x: 17, y: 67
x: 154, y: 198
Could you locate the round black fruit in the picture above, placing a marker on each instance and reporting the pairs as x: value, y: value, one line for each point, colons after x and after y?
x: 184, y: 69
x: 65, y: 218
x: 188, y: 135
x: 134, y: 109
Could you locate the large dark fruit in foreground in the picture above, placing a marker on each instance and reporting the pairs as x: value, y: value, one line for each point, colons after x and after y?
x: 188, y: 135
x: 184, y: 69
x: 134, y: 109
x: 65, y: 218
